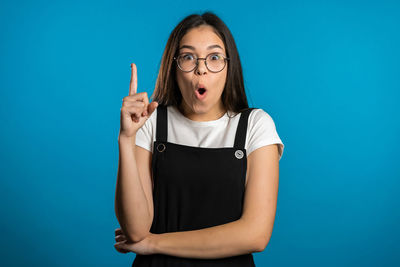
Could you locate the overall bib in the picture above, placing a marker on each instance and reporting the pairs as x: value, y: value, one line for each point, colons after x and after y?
x: 196, y: 188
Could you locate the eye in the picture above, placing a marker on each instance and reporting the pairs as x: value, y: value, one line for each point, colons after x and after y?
x: 187, y: 57
x: 215, y: 56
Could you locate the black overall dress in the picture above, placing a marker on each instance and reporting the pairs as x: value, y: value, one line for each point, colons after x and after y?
x: 196, y: 188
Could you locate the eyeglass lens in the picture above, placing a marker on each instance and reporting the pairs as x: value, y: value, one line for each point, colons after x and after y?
x: 214, y: 62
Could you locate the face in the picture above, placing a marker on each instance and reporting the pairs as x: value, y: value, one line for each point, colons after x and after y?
x: 202, y: 104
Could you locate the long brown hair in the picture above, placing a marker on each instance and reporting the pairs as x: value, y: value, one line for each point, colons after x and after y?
x: 167, y: 92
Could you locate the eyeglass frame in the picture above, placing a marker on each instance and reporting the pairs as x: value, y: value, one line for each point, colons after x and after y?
x: 197, y: 62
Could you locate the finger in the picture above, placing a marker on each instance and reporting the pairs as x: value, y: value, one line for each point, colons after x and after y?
x: 132, y: 110
x: 133, y: 104
x: 120, y: 238
x: 133, y: 84
x: 119, y: 249
x: 141, y: 97
x: 146, y: 104
x: 118, y: 231
x: 121, y: 245
x: 151, y: 107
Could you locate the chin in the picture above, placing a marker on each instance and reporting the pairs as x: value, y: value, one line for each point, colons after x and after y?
x: 199, y: 109
x: 204, y: 108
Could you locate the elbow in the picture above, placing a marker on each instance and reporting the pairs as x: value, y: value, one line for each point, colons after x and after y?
x: 136, y: 234
x: 137, y: 237
x: 259, y: 239
x: 133, y: 233
x: 261, y: 243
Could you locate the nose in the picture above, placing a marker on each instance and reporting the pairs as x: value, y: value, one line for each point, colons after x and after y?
x: 201, y: 66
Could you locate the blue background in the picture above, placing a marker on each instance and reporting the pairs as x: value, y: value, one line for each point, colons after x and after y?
x: 327, y: 73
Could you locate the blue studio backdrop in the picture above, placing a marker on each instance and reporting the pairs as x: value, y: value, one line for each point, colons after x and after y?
x: 326, y: 71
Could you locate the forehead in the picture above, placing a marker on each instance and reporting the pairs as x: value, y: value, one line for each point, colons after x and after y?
x: 201, y: 38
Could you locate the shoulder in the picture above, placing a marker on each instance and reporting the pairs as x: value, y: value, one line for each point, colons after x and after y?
x: 261, y: 131
x: 260, y: 118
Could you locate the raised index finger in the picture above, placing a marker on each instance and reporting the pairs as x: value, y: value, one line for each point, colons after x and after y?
x: 133, y: 85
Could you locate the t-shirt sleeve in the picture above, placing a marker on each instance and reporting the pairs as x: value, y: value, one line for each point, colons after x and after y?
x: 262, y: 132
x: 145, y: 135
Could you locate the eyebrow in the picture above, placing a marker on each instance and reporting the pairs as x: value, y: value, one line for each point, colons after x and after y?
x: 208, y: 48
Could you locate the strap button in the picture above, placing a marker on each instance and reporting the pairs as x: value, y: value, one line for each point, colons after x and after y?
x: 239, y: 154
x: 161, y: 147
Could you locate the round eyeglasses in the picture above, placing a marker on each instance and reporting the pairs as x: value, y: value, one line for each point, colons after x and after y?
x: 215, y: 62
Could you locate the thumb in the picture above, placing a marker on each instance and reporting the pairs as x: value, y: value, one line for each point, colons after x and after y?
x: 152, y: 106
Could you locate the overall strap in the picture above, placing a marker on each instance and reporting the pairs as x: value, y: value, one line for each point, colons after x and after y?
x: 240, y: 138
x: 162, y: 124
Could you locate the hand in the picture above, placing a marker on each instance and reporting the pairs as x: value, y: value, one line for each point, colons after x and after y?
x: 135, y: 108
x: 143, y: 247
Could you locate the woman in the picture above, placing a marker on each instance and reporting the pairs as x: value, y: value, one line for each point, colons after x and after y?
x: 198, y: 172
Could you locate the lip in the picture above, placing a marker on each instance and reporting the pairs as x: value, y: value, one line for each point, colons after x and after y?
x: 200, y: 85
x: 198, y: 95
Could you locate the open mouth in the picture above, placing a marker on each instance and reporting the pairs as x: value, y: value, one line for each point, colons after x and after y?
x: 201, y: 91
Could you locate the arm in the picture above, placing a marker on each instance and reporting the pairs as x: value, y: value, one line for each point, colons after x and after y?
x: 133, y: 197
x: 251, y: 233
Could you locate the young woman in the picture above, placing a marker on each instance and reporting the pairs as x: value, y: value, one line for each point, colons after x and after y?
x: 198, y: 171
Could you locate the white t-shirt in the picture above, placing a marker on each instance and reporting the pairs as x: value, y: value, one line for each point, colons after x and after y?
x: 218, y: 133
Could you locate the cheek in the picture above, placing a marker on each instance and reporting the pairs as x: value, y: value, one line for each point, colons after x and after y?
x: 222, y: 81
x: 183, y: 81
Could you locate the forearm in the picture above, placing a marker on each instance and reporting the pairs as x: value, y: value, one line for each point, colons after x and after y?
x: 131, y: 205
x: 226, y: 240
